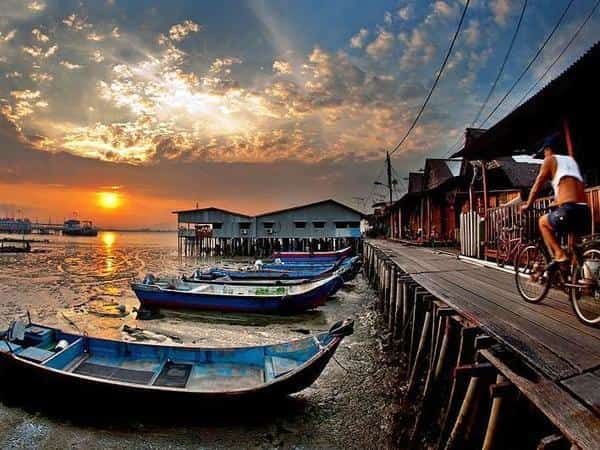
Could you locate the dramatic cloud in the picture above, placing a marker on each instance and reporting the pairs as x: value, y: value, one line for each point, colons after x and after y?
x: 8, y: 36
x: 358, y: 40
x: 282, y: 67
x: 405, y: 12
x: 76, y: 23
x: 382, y: 44
x: 70, y: 66
x: 118, y: 100
x: 501, y: 10
x: 39, y: 36
x: 179, y: 31
x: 36, y: 5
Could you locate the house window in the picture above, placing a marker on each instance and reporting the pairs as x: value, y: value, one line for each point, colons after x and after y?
x: 217, y: 226
x: 268, y: 225
x: 244, y: 225
x: 319, y: 224
x: 300, y: 224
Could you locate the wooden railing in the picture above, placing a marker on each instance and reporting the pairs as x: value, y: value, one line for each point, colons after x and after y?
x: 511, y: 219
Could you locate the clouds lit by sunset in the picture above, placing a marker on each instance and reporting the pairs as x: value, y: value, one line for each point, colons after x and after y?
x: 178, y: 100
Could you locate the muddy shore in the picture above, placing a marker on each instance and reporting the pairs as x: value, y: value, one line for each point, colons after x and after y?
x: 350, y: 406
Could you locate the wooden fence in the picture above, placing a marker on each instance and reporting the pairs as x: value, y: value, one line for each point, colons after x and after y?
x: 470, y: 234
x: 514, y: 223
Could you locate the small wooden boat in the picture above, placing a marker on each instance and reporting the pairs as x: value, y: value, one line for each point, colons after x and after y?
x: 313, y: 256
x: 253, y: 274
x: 347, y: 267
x: 81, y: 369
x: 255, y: 298
x: 14, y: 246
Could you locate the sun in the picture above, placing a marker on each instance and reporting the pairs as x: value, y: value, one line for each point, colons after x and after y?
x: 109, y: 200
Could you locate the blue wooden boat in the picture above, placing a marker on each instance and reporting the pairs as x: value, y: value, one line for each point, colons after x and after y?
x: 250, y: 298
x: 67, y: 367
x: 328, y: 256
x: 347, y: 267
x: 253, y: 274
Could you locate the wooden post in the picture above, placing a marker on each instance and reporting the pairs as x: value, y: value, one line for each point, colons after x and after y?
x: 466, y: 352
x: 568, y: 140
x: 392, y: 300
x: 492, y: 427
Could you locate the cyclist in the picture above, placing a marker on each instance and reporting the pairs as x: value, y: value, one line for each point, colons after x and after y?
x: 570, y: 212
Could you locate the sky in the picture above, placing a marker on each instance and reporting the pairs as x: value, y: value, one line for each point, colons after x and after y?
x: 123, y: 111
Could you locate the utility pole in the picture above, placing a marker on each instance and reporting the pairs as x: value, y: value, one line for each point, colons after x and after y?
x: 389, y: 174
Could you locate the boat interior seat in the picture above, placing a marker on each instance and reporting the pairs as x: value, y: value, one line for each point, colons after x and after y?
x: 114, y: 373
x: 35, y: 354
x: 9, y: 346
x: 174, y: 375
x: 276, y: 366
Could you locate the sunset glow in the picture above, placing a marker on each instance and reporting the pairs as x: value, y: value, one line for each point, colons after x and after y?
x: 180, y: 105
x: 109, y: 200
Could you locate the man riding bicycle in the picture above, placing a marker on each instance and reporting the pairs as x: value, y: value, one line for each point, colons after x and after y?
x: 570, y: 212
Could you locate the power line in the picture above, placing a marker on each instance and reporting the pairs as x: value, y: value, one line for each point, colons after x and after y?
x: 537, y: 54
x: 437, y: 79
x: 503, y: 65
x: 560, y: 55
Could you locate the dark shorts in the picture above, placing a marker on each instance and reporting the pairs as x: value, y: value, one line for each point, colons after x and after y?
x: 570, y: 217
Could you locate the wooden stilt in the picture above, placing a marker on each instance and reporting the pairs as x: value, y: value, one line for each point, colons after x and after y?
x: 466, y: 352
x: 492, y: 426
x: 419, y: 354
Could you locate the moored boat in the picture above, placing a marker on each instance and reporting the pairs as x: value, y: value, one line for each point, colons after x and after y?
x: 330, y: 256
x: 254, y: 298
x: 75, y: 227
x: 79, y: 369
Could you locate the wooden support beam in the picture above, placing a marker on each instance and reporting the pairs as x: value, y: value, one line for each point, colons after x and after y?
x: 415, y: 372
x: 482, y: 342
x: 503, y: 389
x: 474, y: 370
x: 554, y: 441
x: 495, y: 417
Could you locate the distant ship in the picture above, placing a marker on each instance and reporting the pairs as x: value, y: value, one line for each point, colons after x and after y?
x: 74, y: 227
x: 10, y: 225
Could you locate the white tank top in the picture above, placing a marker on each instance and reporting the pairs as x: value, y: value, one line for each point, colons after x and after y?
x: 565, y: 167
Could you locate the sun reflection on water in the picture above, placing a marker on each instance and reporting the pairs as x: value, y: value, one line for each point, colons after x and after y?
x: 108, y: 239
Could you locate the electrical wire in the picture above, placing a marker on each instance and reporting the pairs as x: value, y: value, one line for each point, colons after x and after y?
x: 503, y: 65
x: 437, y: 79
x: 560, y: 55
x: 532, y: 60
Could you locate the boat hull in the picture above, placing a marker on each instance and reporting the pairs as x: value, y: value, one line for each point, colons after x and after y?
x: 56, y: 380
x: 153, y: 298
x: 53, y: 387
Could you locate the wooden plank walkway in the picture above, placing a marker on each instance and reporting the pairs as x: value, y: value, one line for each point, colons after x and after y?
x: 547, y: 335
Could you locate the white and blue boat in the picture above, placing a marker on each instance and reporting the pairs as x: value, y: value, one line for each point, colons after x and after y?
x: 65, y: 367
x: 283, y: 298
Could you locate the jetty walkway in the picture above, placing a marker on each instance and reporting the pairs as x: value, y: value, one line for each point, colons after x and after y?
x: 541, y: 350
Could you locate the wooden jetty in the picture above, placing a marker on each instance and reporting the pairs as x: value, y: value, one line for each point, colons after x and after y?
x: 489, y: 370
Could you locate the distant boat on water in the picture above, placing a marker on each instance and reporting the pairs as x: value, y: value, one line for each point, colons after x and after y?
x: 75, y: 227
x: 14, y: 246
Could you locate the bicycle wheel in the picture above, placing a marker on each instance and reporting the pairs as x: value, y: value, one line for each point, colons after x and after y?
x: 586, y: 299
x: 532, y: 279
x: 501, y: 252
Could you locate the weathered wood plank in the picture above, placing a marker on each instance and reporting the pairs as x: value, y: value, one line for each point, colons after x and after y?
x: 501, y: 326
x: 586, y: 387
x: 574, y: 420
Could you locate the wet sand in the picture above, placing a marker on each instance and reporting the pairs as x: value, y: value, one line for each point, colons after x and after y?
x: 79, y: 284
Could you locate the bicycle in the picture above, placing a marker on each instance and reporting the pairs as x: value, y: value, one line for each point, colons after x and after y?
x: 581, y: 282
x: 508, y: 246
